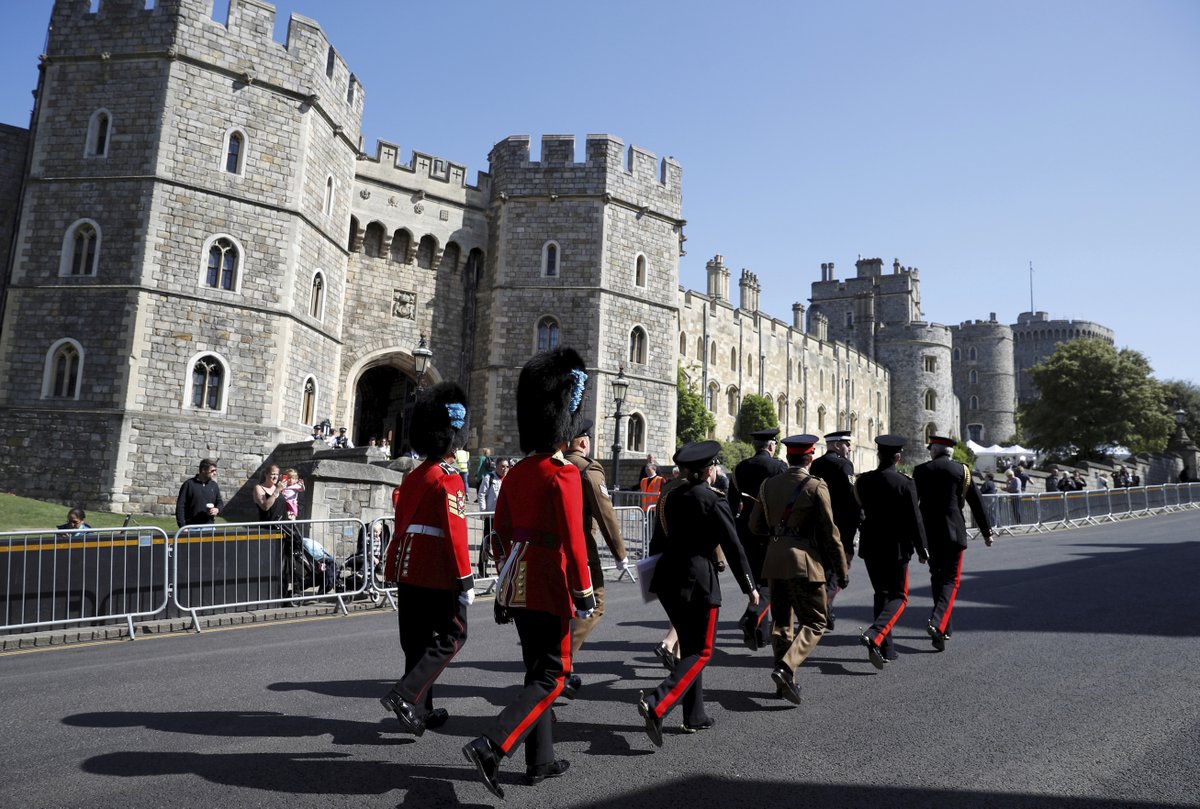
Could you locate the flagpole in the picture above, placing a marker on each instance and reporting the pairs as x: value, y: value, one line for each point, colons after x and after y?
x: 1031, y: 286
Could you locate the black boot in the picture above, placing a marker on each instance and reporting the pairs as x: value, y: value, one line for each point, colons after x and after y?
x: 406, y: 712
x: 486, y: 758
x: 538, y: 774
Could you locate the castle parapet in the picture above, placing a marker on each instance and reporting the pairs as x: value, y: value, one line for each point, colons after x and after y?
x: 432, y: 175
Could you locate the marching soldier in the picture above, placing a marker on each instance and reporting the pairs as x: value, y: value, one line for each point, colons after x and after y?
x: 837, y: 470
x: 794, y: 510
x: 944, y: 486
x: 428, y: 558
x: 748, y: 478
x: 545, y: 578
x: 597, y: 513
x: 891, y: 531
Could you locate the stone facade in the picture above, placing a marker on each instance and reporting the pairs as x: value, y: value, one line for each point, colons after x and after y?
x: 984, y: 380
x: 1035, y: 336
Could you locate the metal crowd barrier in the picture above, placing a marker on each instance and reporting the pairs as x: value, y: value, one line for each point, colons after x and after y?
x: 1039, y: 511
x: 230, y: 566
x: 93, y: 576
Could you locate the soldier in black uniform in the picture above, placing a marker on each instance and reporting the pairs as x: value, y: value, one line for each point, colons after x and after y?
x: 891, y: 531
x: 837, y: 470
x: 944, y: 486
x: 748, y: 478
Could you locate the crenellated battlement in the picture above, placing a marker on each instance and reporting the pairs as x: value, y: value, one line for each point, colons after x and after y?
x: 425, y: 173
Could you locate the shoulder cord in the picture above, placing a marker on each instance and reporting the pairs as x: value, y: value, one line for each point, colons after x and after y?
x: 787, y: 511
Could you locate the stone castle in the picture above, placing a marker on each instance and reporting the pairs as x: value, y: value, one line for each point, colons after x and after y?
x: 201, y: 260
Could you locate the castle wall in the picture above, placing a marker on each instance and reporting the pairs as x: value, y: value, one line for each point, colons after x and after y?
x: 905, y: 350
x: 1036, y: 336
x: 984, y: 381
x: 14, y: 145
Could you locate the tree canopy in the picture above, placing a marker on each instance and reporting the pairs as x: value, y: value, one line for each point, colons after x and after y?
x: 1183, y: 395
x: 756, y: 413
x: 693, y: 422
x: 1095, y: 398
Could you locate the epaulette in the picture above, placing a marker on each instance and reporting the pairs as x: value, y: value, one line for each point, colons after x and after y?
x: 448, y: 468
x: 558, y: 458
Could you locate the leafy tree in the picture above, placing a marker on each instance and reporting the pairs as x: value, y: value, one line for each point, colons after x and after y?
x: 693, y: 421
x: 1094, y: 399
x: 734, y: 452
x: 963, y: 454
x: 756, y: 413
x: 1184, y: 395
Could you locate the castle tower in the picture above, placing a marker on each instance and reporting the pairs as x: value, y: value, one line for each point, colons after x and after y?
x: 918, y: 355
x: 718, y: 278
x: 188, y: 183
x: 584, y: 255
x: 983, y: 380
x: 1035, y: 336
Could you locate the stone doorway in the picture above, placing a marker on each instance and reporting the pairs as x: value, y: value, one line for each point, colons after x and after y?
x: 380, y: 396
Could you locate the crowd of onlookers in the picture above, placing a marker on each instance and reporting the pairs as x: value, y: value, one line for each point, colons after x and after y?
x: 1017, y: 480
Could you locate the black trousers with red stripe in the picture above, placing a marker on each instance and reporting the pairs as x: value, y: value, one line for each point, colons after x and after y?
x: 696, y: 622
x: 889, y: 578
x: 546, y: 651
x: 433, y: 627
x: 945, y: 571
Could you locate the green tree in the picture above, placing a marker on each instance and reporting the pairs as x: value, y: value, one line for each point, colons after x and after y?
x: 693, y: 422
x: 734, y: 452
x: 1094, y: 399
x: 756, y: 413
x: 1185, y: 396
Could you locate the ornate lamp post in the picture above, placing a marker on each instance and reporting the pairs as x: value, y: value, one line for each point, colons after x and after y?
x: 422, y: 356
x: 620, y: 387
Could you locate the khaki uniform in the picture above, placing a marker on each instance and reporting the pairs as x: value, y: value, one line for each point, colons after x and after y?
x: 597, y: 513
x: 797, y: 555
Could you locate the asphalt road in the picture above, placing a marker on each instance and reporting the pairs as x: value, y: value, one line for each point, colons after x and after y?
x: 1073, y: 680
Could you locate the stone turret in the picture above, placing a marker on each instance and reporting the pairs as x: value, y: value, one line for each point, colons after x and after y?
x: 983, y: 379
x: 718, y: 278
x: 798, y: 316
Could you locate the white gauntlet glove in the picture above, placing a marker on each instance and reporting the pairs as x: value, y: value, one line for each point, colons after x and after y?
x: 622, y: 565
x: 584, y: 613
x: 467, y: 597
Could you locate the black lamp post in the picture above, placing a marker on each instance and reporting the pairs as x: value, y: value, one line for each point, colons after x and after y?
x: 422, y: 356
x: 620, y: 387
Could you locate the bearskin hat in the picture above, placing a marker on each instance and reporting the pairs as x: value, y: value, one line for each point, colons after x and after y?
x: 439, y: 420
x: 549, y: 395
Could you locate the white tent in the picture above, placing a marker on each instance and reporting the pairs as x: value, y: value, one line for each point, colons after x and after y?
x: 986, y: 457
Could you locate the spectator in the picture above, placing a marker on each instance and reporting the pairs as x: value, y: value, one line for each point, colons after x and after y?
x: 650, y: 485
x: 1077, y: 481
x: 316, y: 433
x: 489, y: 487
x: 1135, y: 479
x: 989, y: 484
x: 1052, y: 480
x: 1012, y: 486
x: 342, y: 441
x: 674, y: 473
x: 1101, y: 480
x: 75, y: 520
x: 485, y: 466
x: 1022, y: 476
x: 199, y: 500
x: 721, y: 483
x: 645, y: 473
x: 462, y: 460
x: 268, y: 496
x: 292, y: 486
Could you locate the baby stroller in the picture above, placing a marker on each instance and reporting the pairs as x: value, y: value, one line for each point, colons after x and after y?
x: 365, y: 566
x: 307, y: 565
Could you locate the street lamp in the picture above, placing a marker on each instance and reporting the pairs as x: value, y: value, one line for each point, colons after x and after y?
x: 422, y: 356
x: 620, y: 387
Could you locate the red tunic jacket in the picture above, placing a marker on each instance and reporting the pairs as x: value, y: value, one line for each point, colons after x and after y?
x: 539, y: 518
x: 429, y: 547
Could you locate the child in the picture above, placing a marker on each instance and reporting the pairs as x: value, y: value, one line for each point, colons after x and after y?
x: 292, y: 486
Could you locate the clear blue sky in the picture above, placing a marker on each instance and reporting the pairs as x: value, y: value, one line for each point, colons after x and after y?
x: 966, y: 139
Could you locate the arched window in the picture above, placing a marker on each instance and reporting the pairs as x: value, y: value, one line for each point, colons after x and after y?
x: 781, y: 409
x: 451, y: 257
x: 931, y: 399
x: 972, y: 353
x: 354, y: 240
x: 401, y: 244
x: 637, y: 345
x: 821, y: 419
x: 316, y: 301
x: 80, y: 249
x: 973, y: 403
x: 973, y: 377
x: 713, y: 392
x: 712, y: 353
x: 731, y: 401
x: 63, y: 370
x: 547, y: 334
x: 700, y: 348
x: 425, y: 252
x: 639, y: 271
x: 206, y: 383
x: 750, y: 365
x: 308, y: 402
x: 930, y: 431
x: 235, y: 151
x: 853, y: 422
x: 224, y: 260
x: 975, y: 433
x: 550, y: 259
x: 733, y: 359
x: 957, y: 354
x: 849, y: 320
x: 330, y: 61
x: 800, y: 413
x: 373, y: 240
x: 635, y: 435
x: 822, y: 380
x: 683, y: 344
x: 327, y: 205
x: 870, y: 428
x: 99, y: 133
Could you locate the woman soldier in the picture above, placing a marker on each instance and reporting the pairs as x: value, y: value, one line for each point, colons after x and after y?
x: 693, y: 520
x: 428, y: 558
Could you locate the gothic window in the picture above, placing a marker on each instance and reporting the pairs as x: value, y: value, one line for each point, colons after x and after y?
x: 683, y: 344
x: 316, y: 302
x: 224, y: 260
x: 930, y: 364
x: 373, y: 240
x: 972, y: 353
x: 425, y: 252
x: 330, y: 61
x: 930, y: 431
x: 351, y: 89
x: 353, y: 243
x: 550, y: 259
x: 713, y: 391
x: 973, y: 377
x: 750, y: 366
x: 99, y: 133
x: 63, y: 370
x: 822, y: 380
x: 401, y: 241
x: 733, y: 359
x: 821, y: 419
x: 931, y: 399
x: 700, y: 348
x: 800, y: 412
x: 206, y: 383
x: 712, y: 353
x: 849, y: 320
x: 451, y: 257
x: 637, y: 345
x: 547, y: 334
x: 327, y: 205
x: 308, y: 402
x: 853, y: 422
x: 235, y: 151
x: 639, y: 271
x: 975, y: 433
x: 973, y: 403
x: 782, y: 409
x: 957, y: 354
x: 731, y: 401
x: 475, y: 266
x: 80, y: 249
x: 635, y: 436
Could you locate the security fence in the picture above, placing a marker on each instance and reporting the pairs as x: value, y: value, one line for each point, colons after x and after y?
x: 1043, y: 511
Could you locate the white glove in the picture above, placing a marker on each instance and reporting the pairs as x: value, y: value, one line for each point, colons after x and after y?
x: 584, y: 613
x: 622, y: 565
x: 467, y: 597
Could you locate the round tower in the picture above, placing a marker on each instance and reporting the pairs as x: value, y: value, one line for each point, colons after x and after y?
x: 918, y: 356
x: 983, y: 380
x: 1035, y: 336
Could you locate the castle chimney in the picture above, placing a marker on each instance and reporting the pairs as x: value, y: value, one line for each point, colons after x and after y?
x: 718, y: 278
x: 798, y: 317
x: 818, y: 326
x: 895, y: 266
x: 824, y: 271
x: 749, y: 289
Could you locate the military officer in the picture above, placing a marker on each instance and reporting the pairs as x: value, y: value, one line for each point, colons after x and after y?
x: 597, y: 513
x: 794, y: 510
x: 428, y: 558
x: 944, y: 487
x: 748, y: 478
x: 545, y: 578
x: 891, y: 531
x: 837, y: 470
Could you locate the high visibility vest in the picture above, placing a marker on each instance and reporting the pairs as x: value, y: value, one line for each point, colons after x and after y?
x: 650, y: 488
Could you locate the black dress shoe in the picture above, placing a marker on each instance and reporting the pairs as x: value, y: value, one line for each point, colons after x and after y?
x: 571, y: 685
x: 749, y: 632
x: 891, y: 657
x: 405, y: 712
x: 705, y: 725
x: 483, y: 754
x: 873, y: 653
x: 831, y: 622
x: 436, y: 718
x: 665, y: 657
x: 538, y: 774
x: 653, y: 723
x: 787, y: 686
x: 937, y: 636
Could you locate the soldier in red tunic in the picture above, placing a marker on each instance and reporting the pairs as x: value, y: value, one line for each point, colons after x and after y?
x: 428, y: 558
x: 545, y: 578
